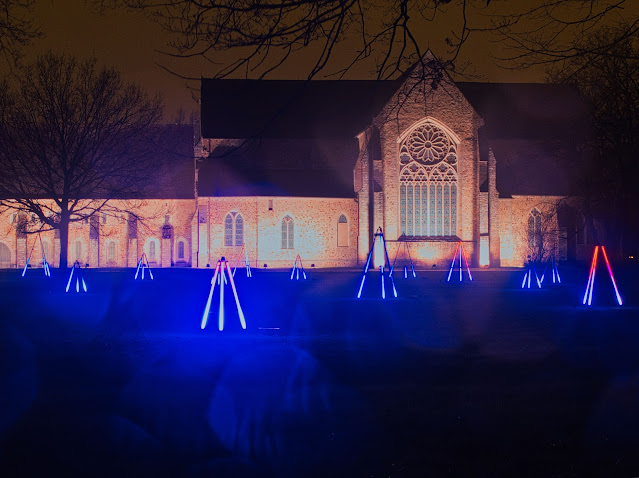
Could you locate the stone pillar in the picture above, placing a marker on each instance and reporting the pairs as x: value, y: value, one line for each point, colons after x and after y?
x: 493, y: 211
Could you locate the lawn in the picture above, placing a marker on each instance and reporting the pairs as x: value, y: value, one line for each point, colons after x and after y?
x: 476, y: 378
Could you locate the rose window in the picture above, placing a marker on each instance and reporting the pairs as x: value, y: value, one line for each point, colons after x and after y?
x: 428, y: 183
x: 427, y: 144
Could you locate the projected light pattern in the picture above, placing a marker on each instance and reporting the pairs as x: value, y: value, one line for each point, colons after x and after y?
x: 143, y: 264
x: 555, y: 271
x: 530, y: 270
x: 379, y: 236
x: 591, y: 277
x: 459, y: 257
x: 247, y: 263
x: 222, y: 269
x: 76, y: 271
x: 297, y: 267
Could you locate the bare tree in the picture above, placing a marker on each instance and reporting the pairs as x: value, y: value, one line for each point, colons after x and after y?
x: 547, y: 32
x: 16, y: 28
x: 253, y: 38
x: 72, y: 137
x: 610, y: 84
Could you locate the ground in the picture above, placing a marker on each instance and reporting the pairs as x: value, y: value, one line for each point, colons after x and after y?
x: 476, y: 378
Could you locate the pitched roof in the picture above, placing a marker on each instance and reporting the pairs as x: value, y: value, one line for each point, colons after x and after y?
x: 290, y: 108
x: 281, y: 167
x: 536, y: 131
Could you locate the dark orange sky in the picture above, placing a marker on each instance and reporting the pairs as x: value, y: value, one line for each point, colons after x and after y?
x: 129, y: 42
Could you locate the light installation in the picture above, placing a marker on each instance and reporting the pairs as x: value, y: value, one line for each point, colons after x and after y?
x: 297, y: 267
x: 591, y: 276
x: 222, y: 270
x: 45, y: 264
x: 553, y: 268
x: 530, y: 270
x: 406, y: 254
x: 143, y: 263
x: 378, y: 239
x: 458, y: 258
x: 247, y: 263
x: 76, y: 271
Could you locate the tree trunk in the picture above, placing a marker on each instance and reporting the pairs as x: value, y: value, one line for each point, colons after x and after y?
x: 64, y: 241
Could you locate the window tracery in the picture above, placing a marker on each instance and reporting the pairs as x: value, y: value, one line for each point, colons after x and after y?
x: 428, y: 182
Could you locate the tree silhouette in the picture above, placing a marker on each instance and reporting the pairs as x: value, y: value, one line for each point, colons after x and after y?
x: 16, y: 28
x: 72, y: 137
x: 610, y: 84
x: 254, y: 38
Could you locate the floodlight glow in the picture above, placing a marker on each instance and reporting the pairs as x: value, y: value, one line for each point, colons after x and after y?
x: 84, y: 285
x: 523, y: 283
x: 24, y: 271
x: 405, y: 272
x: 378, y: 235
x: 614, y: 283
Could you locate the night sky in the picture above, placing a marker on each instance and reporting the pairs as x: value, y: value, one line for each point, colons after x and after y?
x: 131, y: 42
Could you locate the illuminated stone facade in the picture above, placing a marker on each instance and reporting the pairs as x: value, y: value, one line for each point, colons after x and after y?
x: 424, y: 163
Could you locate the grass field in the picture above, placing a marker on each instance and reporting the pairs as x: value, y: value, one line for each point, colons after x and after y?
x: 476, y: 378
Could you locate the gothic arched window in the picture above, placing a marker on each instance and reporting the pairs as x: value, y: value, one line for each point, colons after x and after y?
x: 534, y: 228
x: 287, y: 233
x: 233, y: 229
x: 180, y: 249
x: 111, y: 251
x: 342, y: 231
x: 428, y: 182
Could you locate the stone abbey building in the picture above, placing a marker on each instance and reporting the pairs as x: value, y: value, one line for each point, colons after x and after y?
x: 316, y: 167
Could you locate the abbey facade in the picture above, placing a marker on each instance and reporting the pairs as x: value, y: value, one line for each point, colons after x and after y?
x: 286, y: 168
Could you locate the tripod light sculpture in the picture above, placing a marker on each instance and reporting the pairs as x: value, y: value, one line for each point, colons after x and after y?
x: 378, y: 239
x: 555, y: 271
x: 77, y: 271
x: 530, y: 270
x: 222, y: 269
x: 45, y: 264
x: 591, y: 277
x: 297, y: 267
x: 406, y: 252
x: 247, y: 263
x: 143, y: 263
x: 458, y: 257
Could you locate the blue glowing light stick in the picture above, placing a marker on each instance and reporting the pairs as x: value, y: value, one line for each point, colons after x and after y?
x: 138, y: 268
x: 207, y: 309
x: 361, y: 286
x: 381, y: 270
x: 70, y: 277
x: 237, y: 300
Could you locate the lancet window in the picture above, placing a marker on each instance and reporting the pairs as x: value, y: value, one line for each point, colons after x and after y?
x: 428, y: 183
x: 233, y: 229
